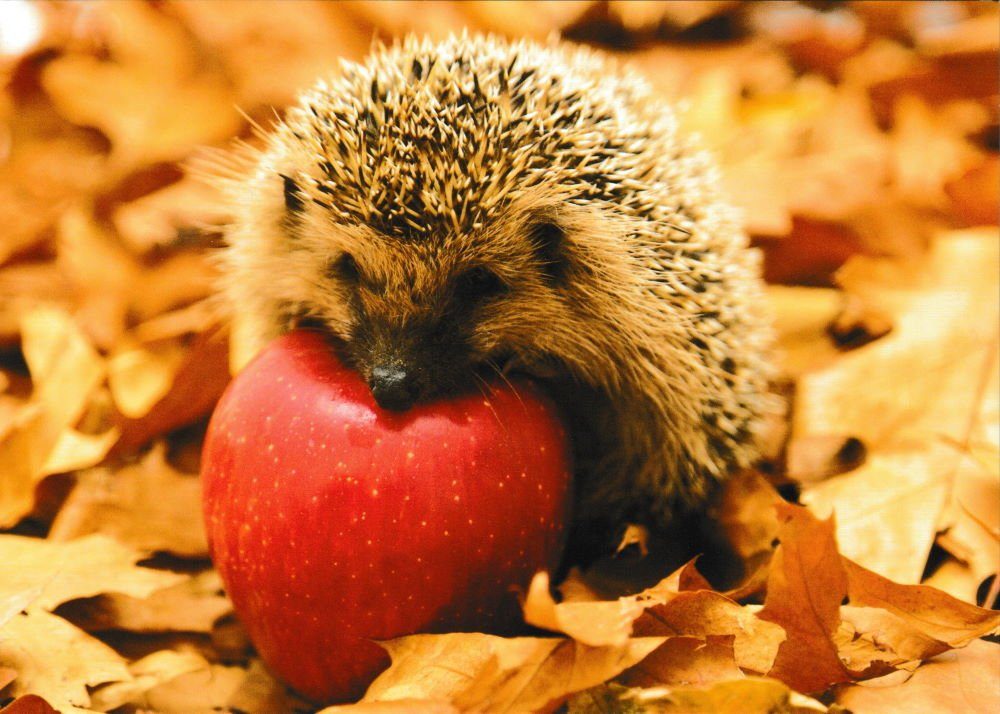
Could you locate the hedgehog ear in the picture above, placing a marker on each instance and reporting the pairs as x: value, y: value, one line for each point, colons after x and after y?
x: 295, y: 202
x: 549, y: 240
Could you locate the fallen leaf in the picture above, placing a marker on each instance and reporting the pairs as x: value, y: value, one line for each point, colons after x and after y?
x: 56, y: 661
x: 541, y: 675
x: 140, y: 376
x: 923, y: 391
x: 193, y: 605
x: 925, y: 397
x: 66, y: 371
x: 706, y: 614
x: 198, y: 384
x: 171, y: 214
x: 930, y: 612
x: 750, y: 695
x: 685, y: 661
x: 959, y: 681
x: 487, y: 673
x: 148, y: 505
x: 804, y: 591
x: 80, y: 568
x: 890, y: 529
x: 28, y: 704
x: 597, y: 623
x: 180, y: 682
x: 147, y: 49
x: 399, y: 706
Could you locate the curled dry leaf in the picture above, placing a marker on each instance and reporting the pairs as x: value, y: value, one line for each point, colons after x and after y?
x: 193, y: 605
x: 66, y: 371
x: 596, y: 623
x: 750, y: 695
x: 494, y: 674
x: 57, y: 661
x: 686, y: 660
x: 81, y: 568
x: 148, y: 505
x: 399, y: 706
x: 959, y: 681
x: 919, y: 608
x: 180, y: 682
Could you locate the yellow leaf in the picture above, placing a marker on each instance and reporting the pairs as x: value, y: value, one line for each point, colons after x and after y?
x: 81, y: 568
x: 148, y: 505
x: 959, y: 681
x: 487, y: 673
x: 55, y: 660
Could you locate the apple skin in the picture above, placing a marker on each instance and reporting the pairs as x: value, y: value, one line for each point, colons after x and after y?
x: 334, y: 523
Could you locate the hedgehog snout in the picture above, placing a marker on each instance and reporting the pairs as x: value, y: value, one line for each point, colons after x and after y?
x: 394, y: 387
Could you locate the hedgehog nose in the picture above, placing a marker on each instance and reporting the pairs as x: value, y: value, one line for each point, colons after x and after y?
x: 393, y: 388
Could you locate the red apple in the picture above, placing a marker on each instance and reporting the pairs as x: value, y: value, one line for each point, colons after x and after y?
x: 334, y: 523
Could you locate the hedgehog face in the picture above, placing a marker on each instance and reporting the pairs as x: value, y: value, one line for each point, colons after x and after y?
x: 421, y: 320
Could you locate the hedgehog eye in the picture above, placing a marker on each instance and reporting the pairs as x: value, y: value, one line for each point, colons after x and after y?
x: 478, y: 283
x: 294, y: 200
x: 548, y: 239
x: 345, y: 268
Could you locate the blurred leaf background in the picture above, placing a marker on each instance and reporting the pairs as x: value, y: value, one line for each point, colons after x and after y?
x: 860, y: 139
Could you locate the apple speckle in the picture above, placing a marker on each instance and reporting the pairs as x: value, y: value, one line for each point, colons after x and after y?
x: 375, y: 492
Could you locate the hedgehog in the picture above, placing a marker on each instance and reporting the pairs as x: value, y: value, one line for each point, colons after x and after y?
x: 476, y: 205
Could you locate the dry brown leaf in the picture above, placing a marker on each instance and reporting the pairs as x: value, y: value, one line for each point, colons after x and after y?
x: 198, y: 384
x: 746, y: 513
x: 908, y: 383
x: 46, y: 163
x: 26, y: 286
x: 597, y: 623
x: 140, y: 376
x: 193, y: 605
x: 929, y: 151
x: 179, y: 280
x: 308, y: 43
x: 802, y: 316
x: 705, y: 614
x: 66, y: 371
x: 750, y: 695
x: 929, y: 612
x: 57, y: 661
x: 686, y: 661
x: 28, y: 704
x: 891, y: 527
x: 487, y: 673
x: 168, y: 216
x: 148, y: 505
x: 82, y: 568
x: 181, y: 682
x: 399, y: 706
x: 103, y: 273
x: 960, y: 681
x: 540, y: 677
x: 804, y: 591
x: 905, y: 396
x: 147, y: 50
x: 974, y: 196
x: 525, y: 18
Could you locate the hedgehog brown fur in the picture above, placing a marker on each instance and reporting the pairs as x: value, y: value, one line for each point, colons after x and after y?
x: 445, y: 206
